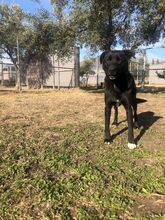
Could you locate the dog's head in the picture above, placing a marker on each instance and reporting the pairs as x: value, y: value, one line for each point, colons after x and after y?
x: 115, y: 62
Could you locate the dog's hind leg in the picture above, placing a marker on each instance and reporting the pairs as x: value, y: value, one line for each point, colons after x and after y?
x: 115, y: 122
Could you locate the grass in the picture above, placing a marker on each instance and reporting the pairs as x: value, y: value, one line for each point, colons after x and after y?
x: 54, y: 164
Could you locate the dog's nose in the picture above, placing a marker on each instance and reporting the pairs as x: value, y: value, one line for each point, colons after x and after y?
x: 112, y: 68
x: 112, y: 72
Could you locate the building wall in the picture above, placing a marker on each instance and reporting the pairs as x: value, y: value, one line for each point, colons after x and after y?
x: 153, y: 77
x: 136, y: 69
x: 65, y: 73
x: 7, y: 74
x: 51, y: 73
x: 99, y: 76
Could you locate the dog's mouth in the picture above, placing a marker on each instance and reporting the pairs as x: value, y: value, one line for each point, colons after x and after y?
x: 112, y: 77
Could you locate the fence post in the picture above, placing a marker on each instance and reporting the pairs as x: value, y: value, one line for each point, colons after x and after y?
x: 77, y: 66
x: 58, y: 74
x: 54, y: 80
x: 97, y: 76
x: 42, y: 75
x: 130, y: 66
x: 149, y: 77
x: 97, y: 79
x: 72, y: 78
x: 137, y: 70
x: 27, y: 77
x: 144, y: 69
x: 2, y: 79
x: 19, y: 86
x: 54, y: 73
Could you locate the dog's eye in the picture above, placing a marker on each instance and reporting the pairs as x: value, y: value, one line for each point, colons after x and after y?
x: 110, y: 58
x: 118, y: 58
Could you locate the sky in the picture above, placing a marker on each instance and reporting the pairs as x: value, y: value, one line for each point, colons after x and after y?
x: 32, y: 6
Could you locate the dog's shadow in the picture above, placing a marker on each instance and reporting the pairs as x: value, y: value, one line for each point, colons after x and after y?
x: 146, y: 120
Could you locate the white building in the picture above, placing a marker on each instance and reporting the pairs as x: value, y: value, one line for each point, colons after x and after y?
x: 7, y: 74
x: 55, y: 73
x: 157, y: 73
x: 65, y: 73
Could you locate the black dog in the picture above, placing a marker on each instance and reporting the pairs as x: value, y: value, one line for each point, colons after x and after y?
x: 120, y: 88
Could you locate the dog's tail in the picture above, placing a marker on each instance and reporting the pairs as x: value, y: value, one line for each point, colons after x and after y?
x: 138, y: 100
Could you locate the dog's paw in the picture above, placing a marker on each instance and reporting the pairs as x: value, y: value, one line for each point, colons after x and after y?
x: 131, y: 146
x: 107, y: 141
x: 136, y: 125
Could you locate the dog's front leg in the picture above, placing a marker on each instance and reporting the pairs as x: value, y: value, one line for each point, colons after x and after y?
x: 131, y: 142
x: 107, y: 136
x: 115, y: 122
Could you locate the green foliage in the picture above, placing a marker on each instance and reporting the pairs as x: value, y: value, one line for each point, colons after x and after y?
x: 35, y: 33
x: 86, y: 67
x: 66, y: 34
x: 59, y: 7
x: 151, y: 19
x: 11, y: 19
x: 38, y: 35
x: 102, y: 25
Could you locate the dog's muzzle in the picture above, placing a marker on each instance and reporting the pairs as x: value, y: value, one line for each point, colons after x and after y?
x: 112, y: 73
x: 112, y: 77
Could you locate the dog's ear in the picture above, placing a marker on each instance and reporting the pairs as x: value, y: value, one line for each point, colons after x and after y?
x: 129, y: 54
x: 102, y: 56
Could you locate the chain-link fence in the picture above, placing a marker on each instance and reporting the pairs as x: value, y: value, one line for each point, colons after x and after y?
x: 144, y: 72
x: 38, y: 75
x: 58, y: 74
x: 7, y: 74
x: 157, y: 73
x: 139, y: 72
x: 61, y: 77
x: 48, y: 72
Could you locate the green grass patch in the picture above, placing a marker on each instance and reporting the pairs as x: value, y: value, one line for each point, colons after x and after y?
x: 71, y: 174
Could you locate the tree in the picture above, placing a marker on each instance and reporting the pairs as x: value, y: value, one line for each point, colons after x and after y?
x: 86, y: 69
x: 1, y: 52
x: 39, y: 42
x: 86, y: 66
x: 150, y: 19
x: 66, y: 34
x: 102, y: 25
x: 38, y: 36
x: 11, y: 19
x: 24, y: 37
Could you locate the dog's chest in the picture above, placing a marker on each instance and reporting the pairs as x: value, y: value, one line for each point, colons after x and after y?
x: 113, y: 96
x: 116, y: 93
